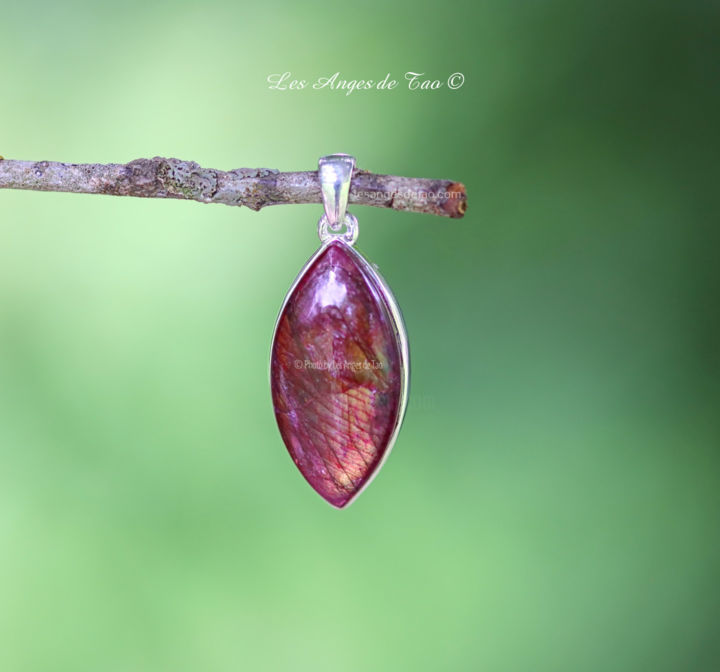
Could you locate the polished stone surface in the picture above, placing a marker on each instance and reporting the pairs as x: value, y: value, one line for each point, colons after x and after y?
x: 336, y: 374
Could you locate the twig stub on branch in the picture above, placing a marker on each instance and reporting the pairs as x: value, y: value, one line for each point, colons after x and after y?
x: 253, y: 187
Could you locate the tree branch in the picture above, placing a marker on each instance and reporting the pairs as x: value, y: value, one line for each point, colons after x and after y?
x: 253, y: 187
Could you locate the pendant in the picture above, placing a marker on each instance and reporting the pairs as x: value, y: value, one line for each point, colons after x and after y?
x: 339, y: 362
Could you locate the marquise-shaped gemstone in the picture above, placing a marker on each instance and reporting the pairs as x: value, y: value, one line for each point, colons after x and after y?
x: 338, y: 373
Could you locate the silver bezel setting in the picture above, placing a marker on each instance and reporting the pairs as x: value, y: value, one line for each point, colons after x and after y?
x: 387, y: 297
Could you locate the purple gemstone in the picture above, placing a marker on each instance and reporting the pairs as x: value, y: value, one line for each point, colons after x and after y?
x: 337, y: 374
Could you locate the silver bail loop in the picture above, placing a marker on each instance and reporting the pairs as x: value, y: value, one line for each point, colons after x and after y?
x: 335, y: 172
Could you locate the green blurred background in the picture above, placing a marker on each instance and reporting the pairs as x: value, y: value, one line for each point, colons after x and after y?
x: 552, y: 501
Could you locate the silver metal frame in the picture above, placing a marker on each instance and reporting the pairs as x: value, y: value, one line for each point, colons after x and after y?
x: 400, y: 335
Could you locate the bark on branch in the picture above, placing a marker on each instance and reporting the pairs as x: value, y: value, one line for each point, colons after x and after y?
x: 253, y: 187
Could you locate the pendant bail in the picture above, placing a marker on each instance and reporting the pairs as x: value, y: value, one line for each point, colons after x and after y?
x: 335, y: 172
